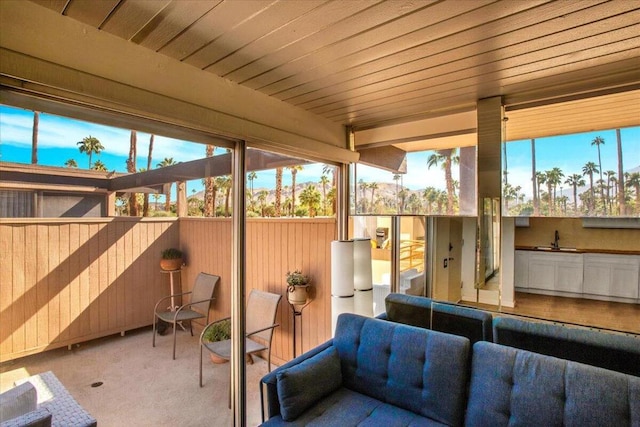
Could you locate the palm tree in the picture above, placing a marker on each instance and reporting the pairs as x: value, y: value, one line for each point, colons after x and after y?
x: 294, y: 171
x: 633, y: 180
x: 589, y: 169
x: 541, y: 177
x: 99, y: 166
x: 145, y: 203
x: 167, y: 161
x: 34, y: 138
x: 310, y: 197
x: 326, y: 169
x: 131, y: 168
x: 575, y: 181
x: 430, y: 194
x: 598, y: 141
x: 396, y: 178
x: 621, y: 195
x: 609, y: 175
x: 71, y: 163
x: 363, y: 200
x: 554, y: 177
x: 90, y: 145
x: 251, y: 176
x: 324, y: 180
x: 534, y: 179
x: 373, y: 187
x: 262, y: 198
x: 209, y: 203
x: 224, y: 183
x: 278, y: 196
x: 448, y: 158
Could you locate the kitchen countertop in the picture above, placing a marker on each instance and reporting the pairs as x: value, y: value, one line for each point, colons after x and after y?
x: 577, y: 250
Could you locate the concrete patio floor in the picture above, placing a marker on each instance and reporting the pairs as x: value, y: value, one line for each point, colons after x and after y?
x: 142, y: 385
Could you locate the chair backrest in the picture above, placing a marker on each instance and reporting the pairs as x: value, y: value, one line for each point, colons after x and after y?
x: 261, y: 313
x: 203, y: 289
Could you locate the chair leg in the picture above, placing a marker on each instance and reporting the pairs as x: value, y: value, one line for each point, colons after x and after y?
x: 200, y: 364
x: 191, y: 326
x: 175, y: 326
x: 153, y: 344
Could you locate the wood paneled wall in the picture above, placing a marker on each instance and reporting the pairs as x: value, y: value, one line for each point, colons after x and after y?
x: 274, y: 246
x: 64, y: 282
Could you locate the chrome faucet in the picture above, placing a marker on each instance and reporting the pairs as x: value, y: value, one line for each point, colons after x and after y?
x: 556, y: 237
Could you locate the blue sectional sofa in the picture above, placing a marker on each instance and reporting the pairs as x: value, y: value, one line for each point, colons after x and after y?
x: 379, y: 373
x: 606, y: 350
x: 373, y: 373
x: 443, y: 317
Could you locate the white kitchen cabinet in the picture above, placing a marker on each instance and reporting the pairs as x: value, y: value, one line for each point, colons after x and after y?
x: 521, y: 269
x: 612, y: 275
x: 555, y: 271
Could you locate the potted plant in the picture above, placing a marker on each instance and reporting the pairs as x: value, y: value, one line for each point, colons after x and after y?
x: 171, y: 259
x: 218, y: 331
x: 297, y: 291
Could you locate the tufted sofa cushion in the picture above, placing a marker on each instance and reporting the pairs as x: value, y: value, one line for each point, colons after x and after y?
x: 606, y: 350
x: 408, y: 309
x: 517, y: 387
x: 421, y: 371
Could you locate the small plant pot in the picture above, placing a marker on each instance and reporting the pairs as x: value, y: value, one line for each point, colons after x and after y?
x: 217, y: 359
x: 171, y: 264
x: 298, y: 295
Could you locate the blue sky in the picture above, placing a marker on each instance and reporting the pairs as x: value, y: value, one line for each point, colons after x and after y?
x: 58, y: 137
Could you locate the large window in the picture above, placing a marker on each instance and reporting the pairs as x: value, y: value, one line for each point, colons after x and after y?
x: 573, y: 175
x: 437, y: 182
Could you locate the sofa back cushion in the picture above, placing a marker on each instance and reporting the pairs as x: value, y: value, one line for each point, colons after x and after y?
x: 409, y: 309
x: 517, y: 387
x: 466, y: 322
x: 413, y: 368
x: 607, y: 350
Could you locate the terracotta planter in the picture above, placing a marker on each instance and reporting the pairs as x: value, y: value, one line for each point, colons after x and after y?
x: 171, y: 264
x: 217, y: 359
x: 298, y: 295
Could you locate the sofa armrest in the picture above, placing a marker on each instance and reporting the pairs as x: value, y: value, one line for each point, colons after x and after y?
x: 270, y: 382
x: 40, y: 417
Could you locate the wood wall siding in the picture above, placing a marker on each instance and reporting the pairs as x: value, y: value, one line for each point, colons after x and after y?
x: 274, y: 246
x: 64, y: 282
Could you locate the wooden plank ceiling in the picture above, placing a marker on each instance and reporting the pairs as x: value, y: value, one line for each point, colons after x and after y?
x: 369, y: 63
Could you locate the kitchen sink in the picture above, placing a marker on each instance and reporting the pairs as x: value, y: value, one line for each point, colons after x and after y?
x: 561, y: 249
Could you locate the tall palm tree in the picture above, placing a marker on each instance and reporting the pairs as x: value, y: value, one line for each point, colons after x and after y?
x: 621, y: 195
x: 324, y: 180
x: 373, y: 187
x: 145, y: 202
x: 541, y: 177
x: 534, y: 179
x: 90, y: 145
x: 262, y: 198
x: 329, y: 169
x: 575, y: 180
x: 131, y: 168
x: 71, y: 163
x: 589, y: 169
x: 278, y: 196
x: 167, y: 161
x: 363, y: 200
x: 598, y: 141
x: 224, y: 183
x: 251, y: 176
x: 34, y: 138
x: 554, y: 177
x: 448, y: 158
x: 294, y: 171
x: 609, y: 175
x: 430, y: 194
x: 208, y: 187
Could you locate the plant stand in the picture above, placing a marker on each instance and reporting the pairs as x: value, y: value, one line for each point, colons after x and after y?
x: 174, y: 306
x: 297, y: 312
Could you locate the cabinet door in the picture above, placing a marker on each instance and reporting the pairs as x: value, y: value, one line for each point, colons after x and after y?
x: 596, y: 278
x: 521, y: 269
x: 542, y: 272
x: 569, y: 276
x: 624, y: 279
